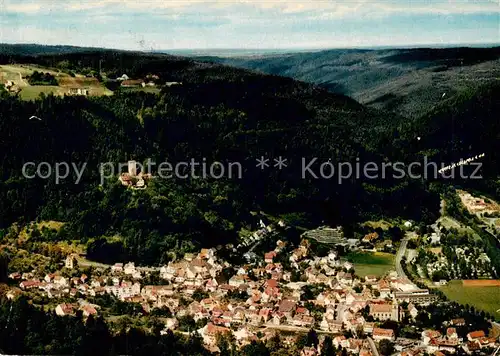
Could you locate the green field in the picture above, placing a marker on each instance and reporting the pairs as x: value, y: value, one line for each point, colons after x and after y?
x: 376, y: 263
x: 483, y: 298
x: 33, y: 91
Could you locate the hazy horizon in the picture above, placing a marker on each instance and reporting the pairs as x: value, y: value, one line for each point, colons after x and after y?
x: 157, y: 25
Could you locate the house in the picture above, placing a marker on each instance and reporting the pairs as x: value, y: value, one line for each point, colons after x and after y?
x: 132, y: 83
x: 451, y: 333
x: 170, y: 324
x: 15, y: 276
x: 381, y: 334
x: 269, y: 256
x: 429, y: 335
x: 287, y: 307
x: 419, y: 296
x: 309, y: 351
x: 129, y: 268
x: 79, y: 91
x: 304, y: 321
x: 412, y: 310
x: 117, y: 267
x: 385, y: 311
x: 61, y: 281
x: 278, y: 318
x: 458, y: 322
x: 210, y: 331
x: 29, y: 284
x: 65, y: 309
x: 88, y: 310
x: 368, y: 238
x: 244, y: 336
x: 475, y: 335
x: 123, y: 77
x: 169, y: 84
x: 70, y: 261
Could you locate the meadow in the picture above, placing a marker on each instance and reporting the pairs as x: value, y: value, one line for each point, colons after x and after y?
x: 485, y: 298
x: 371, y: 263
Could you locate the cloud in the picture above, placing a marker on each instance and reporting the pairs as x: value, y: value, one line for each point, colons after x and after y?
x: 136, y: 24
x: 25, y: 8
x: 332, y: 8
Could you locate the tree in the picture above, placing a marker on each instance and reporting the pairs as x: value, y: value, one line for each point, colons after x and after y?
x: 312, y: 338
x: 199, y: 294
x: 255, y: 348
x: 386, y: 347
x: 225, y: 343
x: 4, y: 262
x: 327, y: 348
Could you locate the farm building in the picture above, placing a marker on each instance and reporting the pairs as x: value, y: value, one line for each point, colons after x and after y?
x: 79, y: 91
x: 132, y: 83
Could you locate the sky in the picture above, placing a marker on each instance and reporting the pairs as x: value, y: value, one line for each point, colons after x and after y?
x: 249, y: 24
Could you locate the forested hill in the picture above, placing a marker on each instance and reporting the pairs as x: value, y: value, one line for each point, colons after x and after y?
x: 406, y: 81
x: 218, y: 113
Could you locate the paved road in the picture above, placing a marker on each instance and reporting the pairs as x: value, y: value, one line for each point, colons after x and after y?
x: 87, y: 263
x: 294, y: 328
x: 399, y: 255
x: 373, y: 347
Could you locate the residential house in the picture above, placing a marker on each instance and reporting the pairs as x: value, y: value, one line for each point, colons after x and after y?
x: 29, y: 284
x: 65, y: 309
x: 412, y: 310
x: 70, y: 261
x: 385, y: 311
x: 475, y: 335
x: 269, y: 256
x: 370, y: 238
x: 117, y: 267
x: 132, y: 83
x: 381, y: 334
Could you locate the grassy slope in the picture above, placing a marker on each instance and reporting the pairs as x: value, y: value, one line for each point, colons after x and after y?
x: 31, y: 92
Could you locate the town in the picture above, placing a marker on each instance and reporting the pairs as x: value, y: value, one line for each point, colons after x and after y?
x: 287, y: 290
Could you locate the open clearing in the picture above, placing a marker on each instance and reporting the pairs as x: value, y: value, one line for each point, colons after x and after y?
x: 384, y: 225
x: 49, y: 224
x: 376, y: 263
x: 485, y: 298
x: 15, y: 73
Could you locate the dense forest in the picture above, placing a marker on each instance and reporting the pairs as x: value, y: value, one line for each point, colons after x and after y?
x: 38, y: 332
x: 221, y: 114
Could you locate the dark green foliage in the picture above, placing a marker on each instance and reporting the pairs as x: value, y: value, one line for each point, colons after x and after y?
x: 255, y: 348
x: 199, y: 294
x: 222, y: 114
x: 28, y: 330
x: 386, y: 347
x: 238, y: 295
x: 231, y: 120
x: 40, y: 78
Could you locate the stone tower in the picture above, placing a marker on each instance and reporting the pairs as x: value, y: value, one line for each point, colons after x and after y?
x: 132, y: 168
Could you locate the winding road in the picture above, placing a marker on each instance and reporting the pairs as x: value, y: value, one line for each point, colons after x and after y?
x: 399, y: 256
x: 373, y: 347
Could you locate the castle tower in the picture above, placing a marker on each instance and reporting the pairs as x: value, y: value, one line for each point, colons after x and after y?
x: 132, y: 168
x: 395, y: 310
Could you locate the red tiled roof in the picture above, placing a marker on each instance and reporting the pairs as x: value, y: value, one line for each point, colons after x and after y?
x: 476, y: 334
